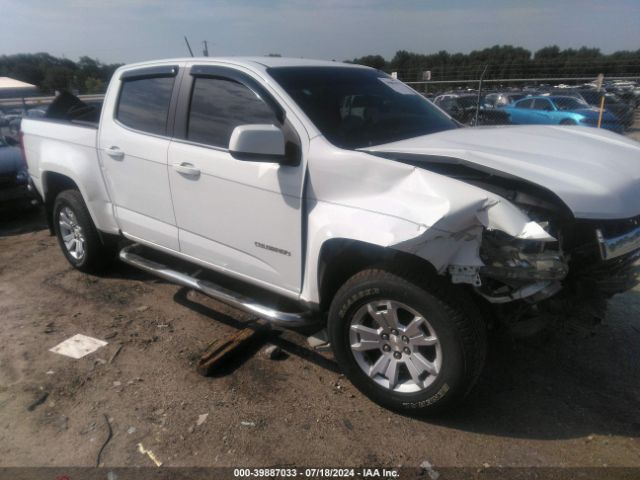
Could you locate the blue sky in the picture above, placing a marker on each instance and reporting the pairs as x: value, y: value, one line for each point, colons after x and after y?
x: 133, y: 30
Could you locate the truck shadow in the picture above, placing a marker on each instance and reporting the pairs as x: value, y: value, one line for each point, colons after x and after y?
x: 276, y: 337
x: 17, y: 222
x: 563, y: 384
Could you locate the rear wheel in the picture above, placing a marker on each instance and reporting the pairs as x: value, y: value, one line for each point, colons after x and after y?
x: 412, y: 345
x: 77, y: 235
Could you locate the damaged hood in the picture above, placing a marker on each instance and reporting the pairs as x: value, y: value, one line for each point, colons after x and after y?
x: 596, y: 173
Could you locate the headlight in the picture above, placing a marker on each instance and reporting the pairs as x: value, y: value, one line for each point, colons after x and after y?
x: 508, y: 258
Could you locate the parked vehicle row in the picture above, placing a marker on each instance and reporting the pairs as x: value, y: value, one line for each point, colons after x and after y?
x: 569, y: 106
x: 12, y: 118
x: 621, y: 110
x: 14, y: 177
x: 560, y: 110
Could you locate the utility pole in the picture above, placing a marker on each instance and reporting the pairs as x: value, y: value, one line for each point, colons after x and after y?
x: 205, y: 50
x: 479, y: 94
x: 188, y: 46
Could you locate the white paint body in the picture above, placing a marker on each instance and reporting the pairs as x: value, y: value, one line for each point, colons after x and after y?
x: 223, y: 216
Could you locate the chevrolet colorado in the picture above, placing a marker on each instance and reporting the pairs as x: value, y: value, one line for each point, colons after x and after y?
x: 321, y: 193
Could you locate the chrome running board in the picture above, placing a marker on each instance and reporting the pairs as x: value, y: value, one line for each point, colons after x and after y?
x: 217, y: 292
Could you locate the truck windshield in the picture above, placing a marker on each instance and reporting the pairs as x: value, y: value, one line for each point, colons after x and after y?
x: 358, y: 107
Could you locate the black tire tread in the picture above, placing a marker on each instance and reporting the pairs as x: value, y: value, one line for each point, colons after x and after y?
x: 98, y: 255
x: 458, y: 305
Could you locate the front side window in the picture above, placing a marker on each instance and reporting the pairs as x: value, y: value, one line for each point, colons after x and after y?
x: 541, y: 104
x: 356, y: 107
x: 219, y: 105
x: 144, y: 104
x: 525, y: 104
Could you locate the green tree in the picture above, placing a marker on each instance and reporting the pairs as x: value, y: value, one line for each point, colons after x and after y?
x: 373, y: 61
x: 57, y: 79
x: 93, y: 85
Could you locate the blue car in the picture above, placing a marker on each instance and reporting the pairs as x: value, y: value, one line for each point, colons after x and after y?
x: 559, y: 110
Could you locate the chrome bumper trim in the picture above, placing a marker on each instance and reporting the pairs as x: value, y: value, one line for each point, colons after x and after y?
x: 618, y: 246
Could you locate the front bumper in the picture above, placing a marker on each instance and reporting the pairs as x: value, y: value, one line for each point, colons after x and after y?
x: 620, y: 245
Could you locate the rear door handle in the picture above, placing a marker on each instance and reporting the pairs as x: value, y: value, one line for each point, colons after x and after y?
x: 187, y: 169
x: 115, y: 153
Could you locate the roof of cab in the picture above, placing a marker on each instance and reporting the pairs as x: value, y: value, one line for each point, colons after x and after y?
x: 264, y: 62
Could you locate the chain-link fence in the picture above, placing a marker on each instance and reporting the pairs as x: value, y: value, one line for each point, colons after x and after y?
x: 12, y: 110
x: 535, y: 94
x: 486, y: 95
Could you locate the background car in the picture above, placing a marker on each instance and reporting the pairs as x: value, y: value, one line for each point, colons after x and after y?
x: 502, y: 99
x: 36, y: 112
x: 462, y: 107
x: 14, y: 178
x: 614, y: 104
x: 559, y: 110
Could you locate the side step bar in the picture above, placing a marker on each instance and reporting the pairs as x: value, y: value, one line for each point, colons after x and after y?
x: 224, y: 295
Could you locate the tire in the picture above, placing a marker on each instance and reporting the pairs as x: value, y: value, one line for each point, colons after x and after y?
x: 448, y: 315
x: 568, y: 121
x: 71, y: 217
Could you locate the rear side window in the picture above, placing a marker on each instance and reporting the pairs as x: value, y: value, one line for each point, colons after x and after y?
x: 218, y: 106
x: 144, y: 104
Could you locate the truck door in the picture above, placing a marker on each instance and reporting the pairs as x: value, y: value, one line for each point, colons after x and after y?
x: 133, y: 145
x: 243, y: 217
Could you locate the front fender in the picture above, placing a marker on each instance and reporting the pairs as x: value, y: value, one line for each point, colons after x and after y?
x: 361, y: 197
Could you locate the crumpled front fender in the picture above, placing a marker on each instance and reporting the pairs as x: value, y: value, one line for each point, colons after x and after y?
x: 354, y: 195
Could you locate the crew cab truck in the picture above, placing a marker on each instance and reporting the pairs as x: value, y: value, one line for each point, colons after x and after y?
x: 322, y: 193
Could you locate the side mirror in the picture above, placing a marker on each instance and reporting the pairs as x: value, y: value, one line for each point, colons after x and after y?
x: 257, y: 143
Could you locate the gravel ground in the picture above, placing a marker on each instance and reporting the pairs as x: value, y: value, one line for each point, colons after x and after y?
x: 564, y: 398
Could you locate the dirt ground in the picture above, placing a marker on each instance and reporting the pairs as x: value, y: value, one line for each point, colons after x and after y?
x: 567, y: 398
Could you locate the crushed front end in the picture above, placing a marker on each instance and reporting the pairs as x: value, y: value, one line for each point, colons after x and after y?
x: 591, y: 261
x: 573, y: 276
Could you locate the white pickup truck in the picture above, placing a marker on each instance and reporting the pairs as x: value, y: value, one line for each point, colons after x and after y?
x: 329, y: 194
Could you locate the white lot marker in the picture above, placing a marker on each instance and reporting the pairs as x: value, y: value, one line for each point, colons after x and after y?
x: 78, y: 346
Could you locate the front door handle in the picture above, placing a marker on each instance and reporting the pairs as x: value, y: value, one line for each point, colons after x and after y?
x: 187, y: 169
x: 115, y: 153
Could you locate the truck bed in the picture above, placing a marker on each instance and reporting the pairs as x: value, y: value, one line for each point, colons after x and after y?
x: 46, y: 138
x: 69, y: 148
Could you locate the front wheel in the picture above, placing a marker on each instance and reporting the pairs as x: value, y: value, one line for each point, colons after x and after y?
x: 77, y: 235
x: 410, y: 344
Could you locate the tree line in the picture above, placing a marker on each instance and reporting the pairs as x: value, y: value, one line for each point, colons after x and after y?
x: 50, y: 73
x: 506, y: 61
x: 89, y: 75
